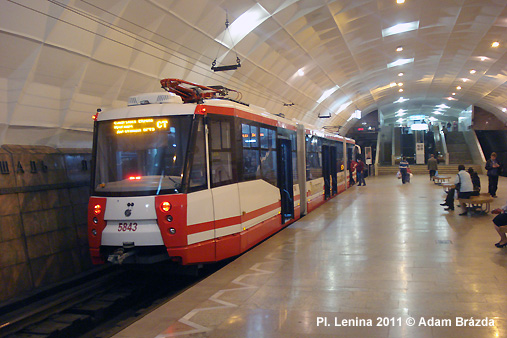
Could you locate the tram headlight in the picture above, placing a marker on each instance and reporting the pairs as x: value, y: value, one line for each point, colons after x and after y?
x: 169, y: 218
x: 165, y: 206
x: 95, y: 220
x: 94, y: 232
x: 97, y: 209
x: 172, y: 231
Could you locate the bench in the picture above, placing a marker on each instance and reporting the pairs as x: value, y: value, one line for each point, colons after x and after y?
x: 447, y: 187
x: 479, y: 204
x: 441, y: 179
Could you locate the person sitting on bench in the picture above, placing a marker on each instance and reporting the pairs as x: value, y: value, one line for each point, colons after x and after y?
x: 476, y: 181
x: 462, y: 183
x: 500, y: 221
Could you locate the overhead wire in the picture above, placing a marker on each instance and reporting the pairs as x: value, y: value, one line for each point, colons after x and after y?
x: 259, y: 94
x: 252, y: 90
x: 145, y: 40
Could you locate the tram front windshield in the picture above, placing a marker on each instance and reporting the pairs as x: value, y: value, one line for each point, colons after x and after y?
x: 141, y: 156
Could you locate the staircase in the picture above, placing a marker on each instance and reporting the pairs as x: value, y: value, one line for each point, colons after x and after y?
x: 457, y: 148
x: 422, y: 169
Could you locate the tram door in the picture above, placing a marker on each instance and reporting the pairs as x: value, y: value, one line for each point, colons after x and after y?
x: 333, y: 170
x: 285, y: 179
x: 326, y: 171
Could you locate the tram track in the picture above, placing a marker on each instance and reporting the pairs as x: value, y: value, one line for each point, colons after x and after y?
x: 96, y: 305
x: 26, y: 312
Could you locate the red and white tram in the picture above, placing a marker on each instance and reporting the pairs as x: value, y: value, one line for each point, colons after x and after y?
x: 190, y: 176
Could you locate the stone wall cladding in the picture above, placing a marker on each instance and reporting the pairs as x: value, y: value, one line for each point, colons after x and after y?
x: 43, y: 204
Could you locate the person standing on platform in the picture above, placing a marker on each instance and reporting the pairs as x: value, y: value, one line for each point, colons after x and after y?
x: 493, y: 167
x: 432, y: 166
x: 404, y: 170
x: 360, y: 172
x: 352, y: 171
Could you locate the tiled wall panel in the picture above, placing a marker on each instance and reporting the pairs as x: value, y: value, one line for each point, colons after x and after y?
x: 43, y: 200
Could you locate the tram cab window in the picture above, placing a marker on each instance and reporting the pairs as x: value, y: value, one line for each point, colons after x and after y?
x: 143, y: 156
x: 198, y: 177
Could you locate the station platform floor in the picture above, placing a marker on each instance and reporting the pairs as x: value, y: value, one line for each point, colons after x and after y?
x: 386, y: 258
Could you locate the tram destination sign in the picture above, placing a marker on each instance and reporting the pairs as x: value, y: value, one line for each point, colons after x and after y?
x: 140, y: 126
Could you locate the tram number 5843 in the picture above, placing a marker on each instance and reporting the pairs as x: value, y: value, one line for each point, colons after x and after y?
x: 127, y: 227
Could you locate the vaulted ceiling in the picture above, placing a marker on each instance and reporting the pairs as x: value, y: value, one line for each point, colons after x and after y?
x: 60, y: 60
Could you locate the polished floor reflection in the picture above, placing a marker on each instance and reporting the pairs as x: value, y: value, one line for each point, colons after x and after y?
x: 384, y: 260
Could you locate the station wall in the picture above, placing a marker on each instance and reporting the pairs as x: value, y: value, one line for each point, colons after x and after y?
x: 43, y: 203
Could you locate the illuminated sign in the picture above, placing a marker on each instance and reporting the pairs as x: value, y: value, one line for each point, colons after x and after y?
x: 140, y: 126
x: 419, y: 126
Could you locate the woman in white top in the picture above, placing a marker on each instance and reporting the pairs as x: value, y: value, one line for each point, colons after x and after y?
x: 466, y: 186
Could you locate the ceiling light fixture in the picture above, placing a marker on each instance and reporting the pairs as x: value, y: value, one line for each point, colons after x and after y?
x: 344, y: 106
x: 246, y: 23
x: 399, y: 62
x: 328, y: 93
x: 495, y: 44
x: 458, y: 87
x: 401, y: 74
x: 504, y: 110
x: 483, y: 58
x: 450, y: 98
x: 400, y: 28
x: 400, y: 84
x: 401, y: 90
x: 443, y: 106
x: 301, y: 72
x: 453, y: 93
x: 473, y: 71
x: 465, y: 79
x: 400, y: 100
x: 400, y: 2
x: 399, y: 49
x: 392, y: 84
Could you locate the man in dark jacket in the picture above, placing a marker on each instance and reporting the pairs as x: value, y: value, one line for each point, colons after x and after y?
x: 494, y: 168
x: 432, y: 166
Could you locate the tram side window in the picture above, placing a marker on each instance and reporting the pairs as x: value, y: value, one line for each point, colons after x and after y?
x: 268, y: 155
x: 221, y: 153
x: 339, y: 157
x: 313, y: 158
x: 259, y: 153
x: 251, y: 164
x: 198, y: 177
